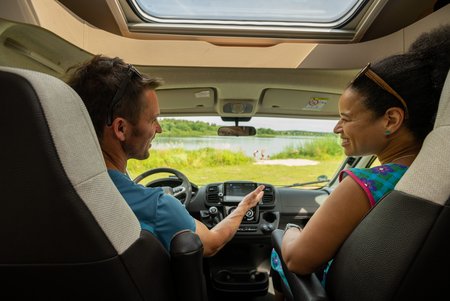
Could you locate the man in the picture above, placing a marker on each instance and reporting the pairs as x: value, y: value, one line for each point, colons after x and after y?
x: 124, y: 109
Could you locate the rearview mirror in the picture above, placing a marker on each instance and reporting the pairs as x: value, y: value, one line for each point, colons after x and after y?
x: 236, y: 131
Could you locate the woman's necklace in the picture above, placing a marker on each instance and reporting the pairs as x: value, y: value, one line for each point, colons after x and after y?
x: 402, y: 157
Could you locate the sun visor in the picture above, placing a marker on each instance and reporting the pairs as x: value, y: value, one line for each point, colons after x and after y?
x: 197, y: 99
x: 304, y: 103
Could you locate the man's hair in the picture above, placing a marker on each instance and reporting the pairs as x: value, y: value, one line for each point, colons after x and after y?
x: 98, y: 80
x: 418, y: 76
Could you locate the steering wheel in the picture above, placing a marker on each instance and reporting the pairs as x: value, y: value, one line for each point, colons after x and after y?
x: 185, y: 189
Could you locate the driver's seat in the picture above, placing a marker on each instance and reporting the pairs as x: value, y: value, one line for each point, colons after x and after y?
x: 66, y: 233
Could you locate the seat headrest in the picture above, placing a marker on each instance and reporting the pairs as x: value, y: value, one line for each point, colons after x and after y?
x: 63, y: 115
x: 428, y: 176
x: 443, y: 113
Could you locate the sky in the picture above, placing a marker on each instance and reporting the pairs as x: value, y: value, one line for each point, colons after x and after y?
x: 313, y: 125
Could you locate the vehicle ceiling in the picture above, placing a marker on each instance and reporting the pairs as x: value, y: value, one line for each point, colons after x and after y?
x: 204, y: 73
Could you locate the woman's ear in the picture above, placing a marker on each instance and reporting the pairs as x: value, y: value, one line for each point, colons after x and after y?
x: 119, y: 127
x: 394, y: 118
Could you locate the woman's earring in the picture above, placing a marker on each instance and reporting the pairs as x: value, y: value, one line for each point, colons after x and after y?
x: 387, y: 132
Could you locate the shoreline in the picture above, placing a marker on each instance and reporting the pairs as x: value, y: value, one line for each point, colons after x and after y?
x: 287, y: 162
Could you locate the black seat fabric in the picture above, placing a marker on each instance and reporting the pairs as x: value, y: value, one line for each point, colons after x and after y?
x: 186, y: 253
x: 404, y: 255
x: 66, y: 233
x: 400, y: 250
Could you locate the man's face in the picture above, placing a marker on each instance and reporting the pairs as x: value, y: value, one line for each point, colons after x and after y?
x: 139, y: 140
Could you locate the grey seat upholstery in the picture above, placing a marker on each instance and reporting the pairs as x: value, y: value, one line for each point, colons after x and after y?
x: 65, y: 231
x: 400, y: 250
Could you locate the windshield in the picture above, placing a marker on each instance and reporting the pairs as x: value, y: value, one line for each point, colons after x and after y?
x: 284, y: 151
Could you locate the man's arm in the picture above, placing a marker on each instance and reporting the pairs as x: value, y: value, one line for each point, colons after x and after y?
x: 213, y: 240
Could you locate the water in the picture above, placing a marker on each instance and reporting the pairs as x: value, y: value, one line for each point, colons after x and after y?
x: 269, y: 146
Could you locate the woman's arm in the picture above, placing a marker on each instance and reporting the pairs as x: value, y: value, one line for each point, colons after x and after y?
x: 305, y: 251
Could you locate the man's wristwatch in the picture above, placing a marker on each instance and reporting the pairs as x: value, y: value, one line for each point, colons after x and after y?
x: 292, y: 226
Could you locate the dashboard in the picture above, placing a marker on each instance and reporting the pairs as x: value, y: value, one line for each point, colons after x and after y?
x: 243, y: 265
x: 279, y: 206
x: 221, y: 199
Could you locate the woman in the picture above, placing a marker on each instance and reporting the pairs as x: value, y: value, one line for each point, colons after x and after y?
x: 387, y: 111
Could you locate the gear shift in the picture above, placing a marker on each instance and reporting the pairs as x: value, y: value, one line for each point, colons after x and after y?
x: 213, y: 213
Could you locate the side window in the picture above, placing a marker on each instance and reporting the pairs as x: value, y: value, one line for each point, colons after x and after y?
x: 375, y: 162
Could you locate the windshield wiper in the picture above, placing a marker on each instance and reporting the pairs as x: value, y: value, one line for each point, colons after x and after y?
x: 320, y: 179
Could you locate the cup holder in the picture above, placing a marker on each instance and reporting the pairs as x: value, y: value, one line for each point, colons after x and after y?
x: 249, y: 282
x: 269, y: 217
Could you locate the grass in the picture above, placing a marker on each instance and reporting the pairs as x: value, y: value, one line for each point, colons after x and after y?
x: 209, y: 165
x: 324, y: 148
x: 181, y: 158
x: 273, y: 174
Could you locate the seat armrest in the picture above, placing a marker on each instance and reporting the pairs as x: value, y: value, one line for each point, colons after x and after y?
x: 306, y: 287
x: 186, y: 251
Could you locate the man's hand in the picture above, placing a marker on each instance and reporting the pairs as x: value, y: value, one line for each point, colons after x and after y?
x: 253, y: 198
x: 213, y: 240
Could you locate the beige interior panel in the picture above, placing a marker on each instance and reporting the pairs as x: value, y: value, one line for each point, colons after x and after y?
x: 372, y: 51
x: 56, y: 18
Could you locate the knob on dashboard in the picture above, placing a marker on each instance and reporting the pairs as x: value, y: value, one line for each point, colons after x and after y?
x: 213, y: 211
x: 267, y: 228
x: 249, y: 213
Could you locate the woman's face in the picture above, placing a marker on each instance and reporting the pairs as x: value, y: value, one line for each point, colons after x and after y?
x: 360, y: 131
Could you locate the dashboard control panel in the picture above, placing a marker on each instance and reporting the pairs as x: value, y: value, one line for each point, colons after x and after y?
x: 231, y: 193
x: 222, y: 198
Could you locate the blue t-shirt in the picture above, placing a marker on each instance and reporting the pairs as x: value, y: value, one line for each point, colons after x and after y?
x: 159, y: 213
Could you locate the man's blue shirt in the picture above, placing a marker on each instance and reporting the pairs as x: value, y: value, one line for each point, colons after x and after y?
x: 160, y: 213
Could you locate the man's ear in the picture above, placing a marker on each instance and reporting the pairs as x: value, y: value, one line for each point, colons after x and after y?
x: 394, y: 118
x: 119, y: 127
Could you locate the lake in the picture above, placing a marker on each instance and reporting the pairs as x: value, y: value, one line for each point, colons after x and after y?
x: 269, y: 146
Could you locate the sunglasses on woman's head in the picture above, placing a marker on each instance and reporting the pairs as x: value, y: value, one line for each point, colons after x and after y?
x: 382, y: 84
x: 120, y: 91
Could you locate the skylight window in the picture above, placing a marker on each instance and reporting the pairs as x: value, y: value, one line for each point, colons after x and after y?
x: 259, y: 12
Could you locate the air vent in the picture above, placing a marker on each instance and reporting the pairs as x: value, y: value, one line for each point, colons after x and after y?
x: 268, y: 197
x: 212, y: 194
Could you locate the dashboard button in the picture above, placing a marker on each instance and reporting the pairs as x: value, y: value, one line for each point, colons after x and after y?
x: 247, y: 229
x: 213, y: 210
x: 267, y: 228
